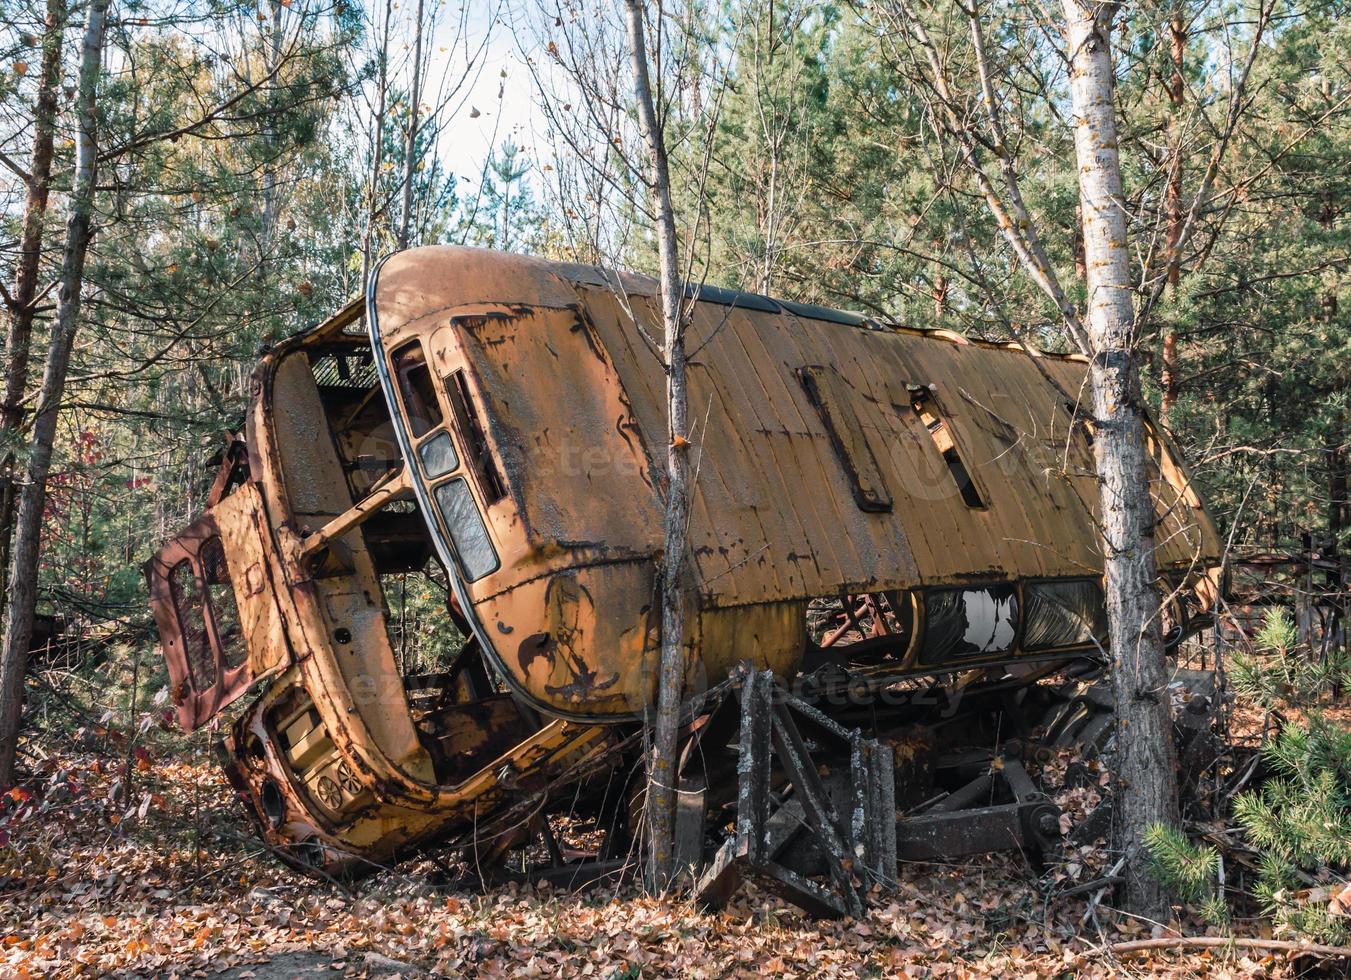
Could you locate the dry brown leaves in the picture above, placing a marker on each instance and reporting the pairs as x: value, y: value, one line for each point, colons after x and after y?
x: 160, y: 879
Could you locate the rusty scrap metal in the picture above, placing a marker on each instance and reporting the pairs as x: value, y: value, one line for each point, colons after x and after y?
x: 1000, y: 809
x: 861, y: 515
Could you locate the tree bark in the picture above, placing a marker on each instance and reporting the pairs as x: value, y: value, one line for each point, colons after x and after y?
x: 271, y: 199
x: 377, y: 151
x: 662, y: 766
x: 1146, y: 788
x: 1177, y: 91
x: 410, y: 153
x: 22, y: 595
x: 20, y: 334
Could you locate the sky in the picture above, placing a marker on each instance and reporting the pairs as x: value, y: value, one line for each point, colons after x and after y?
x: 467, y: 141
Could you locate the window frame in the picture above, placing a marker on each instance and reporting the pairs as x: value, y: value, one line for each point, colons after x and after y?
x: 467, y: 421
x: 195, y: 702
x: 176, y: 596
x: 1089, y: 645
x: 223, y: 665
x: 924, y: 398
x: 453, y: 423
x: 400, y: 375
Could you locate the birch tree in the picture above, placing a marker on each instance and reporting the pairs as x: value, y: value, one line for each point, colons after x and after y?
x: 1144, y: 762
x: 19, y: 601
x: 970, y: 115
x: 621, y: 88
x: 675, y: 539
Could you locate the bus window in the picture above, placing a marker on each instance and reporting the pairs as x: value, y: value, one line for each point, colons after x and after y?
x: 416, y: 389
x: 192, y: 627
x: 438, y: 456
x: 224, y: 609
x: 976, y: 621
x: 1064, y: 614
x: 480, y: 457
x: 467, y: 530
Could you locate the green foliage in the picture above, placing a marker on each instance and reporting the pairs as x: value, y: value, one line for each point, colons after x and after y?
x: 1301, y: 823
x: 1189, y: 870
x: 1279, y: 672
x: 1277, y: 634
x: 423, y: 635
x: 504, y: 213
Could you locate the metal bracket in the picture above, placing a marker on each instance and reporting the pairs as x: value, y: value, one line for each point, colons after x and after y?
x: 969, y: 820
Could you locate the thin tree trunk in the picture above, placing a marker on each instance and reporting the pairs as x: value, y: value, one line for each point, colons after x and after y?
x: 20, y: 333
x: 1177, y: 91
x: 410, y: 153
x: 377, y: 151
x: 940, y: 286
x: 1146, y: 776
x: 22, y: 596
x: 271, y: 198
x: 661, y: 770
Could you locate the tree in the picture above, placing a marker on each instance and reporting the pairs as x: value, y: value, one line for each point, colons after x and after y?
x: 985, y: 136
x: 1144, y: 760
x: 22, y: 304
x: 400, y: 193
x: 623, y: 87
x: 19, y: 601
x: 505, y: 214
x: 410, y: 156
x: 191, y: 267
x: 675, y: 542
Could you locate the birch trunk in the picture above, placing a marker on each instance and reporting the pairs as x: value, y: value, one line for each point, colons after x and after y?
x: 1146, y: 789
x: 410, y: 153
x: 661, y: 769
x: 20, y: 334
x: 22, y: 595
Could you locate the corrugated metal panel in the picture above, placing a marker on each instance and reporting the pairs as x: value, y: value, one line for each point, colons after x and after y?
x: 775, y: 513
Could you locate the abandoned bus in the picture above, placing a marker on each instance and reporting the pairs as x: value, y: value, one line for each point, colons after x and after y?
x: 872, y: 499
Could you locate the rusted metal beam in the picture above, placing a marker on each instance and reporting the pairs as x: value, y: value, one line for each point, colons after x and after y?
x: 961, y: 825
x: 393, y: 486
x: 803, y: 813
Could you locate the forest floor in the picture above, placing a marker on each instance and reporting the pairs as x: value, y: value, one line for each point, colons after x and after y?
x: 165, y: 879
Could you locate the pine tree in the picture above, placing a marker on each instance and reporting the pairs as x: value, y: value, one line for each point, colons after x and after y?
x: 1300, y: 821
x: 1188, y: 870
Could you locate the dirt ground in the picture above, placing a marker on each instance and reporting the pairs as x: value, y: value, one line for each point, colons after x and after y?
x: 163, y: 878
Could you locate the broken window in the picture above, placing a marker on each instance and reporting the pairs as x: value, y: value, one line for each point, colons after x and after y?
x: 465, y: 524
x: 839, y: 621
x: 977, y: 621
x: 480, y: 456
x: 224, y: 609
x: 831, y: 396
x: 930, y: 415
x: 192, y: 627
x: 1063, y: 614
x: 354, y: 369
x: 416, y: 389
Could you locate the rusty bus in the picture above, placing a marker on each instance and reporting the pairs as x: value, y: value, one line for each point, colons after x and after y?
x: 873, y: 502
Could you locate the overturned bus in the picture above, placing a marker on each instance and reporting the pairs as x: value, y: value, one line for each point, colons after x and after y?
x: 874, y: 505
